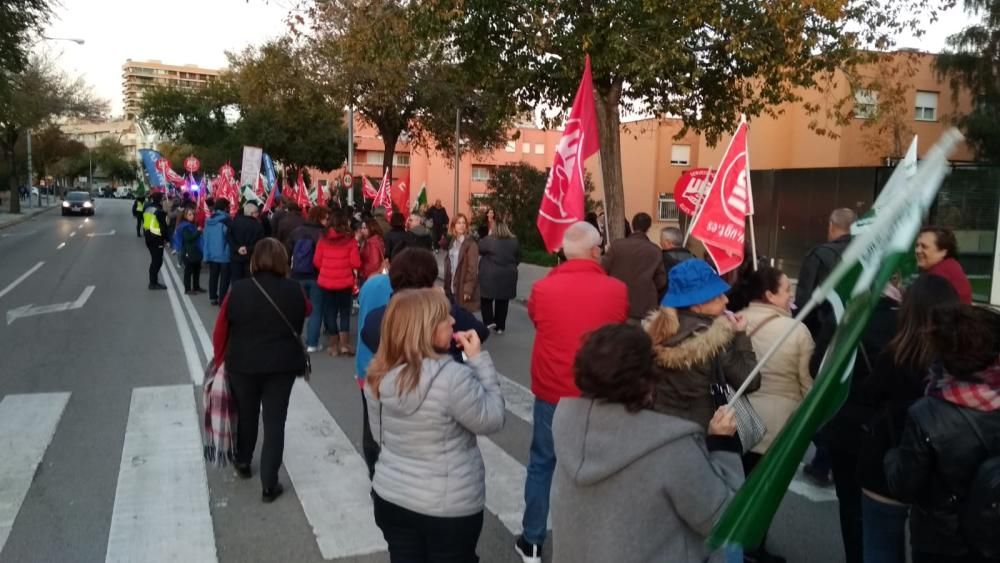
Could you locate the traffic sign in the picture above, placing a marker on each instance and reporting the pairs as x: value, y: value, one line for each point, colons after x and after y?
x: 348, y: 181
x: 192, y: 164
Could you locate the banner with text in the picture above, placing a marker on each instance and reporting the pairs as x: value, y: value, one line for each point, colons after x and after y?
x: 251, y: 165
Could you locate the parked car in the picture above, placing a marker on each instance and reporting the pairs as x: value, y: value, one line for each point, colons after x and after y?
x: 78, y: 202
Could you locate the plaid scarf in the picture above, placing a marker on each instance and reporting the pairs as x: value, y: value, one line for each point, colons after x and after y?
x: 220, y: 416
x: 982, y: 396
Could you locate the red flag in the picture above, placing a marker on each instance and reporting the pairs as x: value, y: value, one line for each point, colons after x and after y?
x: 690, y: 189
x: 721, y: 221
x: 400, y: 195
x: 301, y: 193
x: 202, y: 212
x: 368, y: 190
x: 562, y: 205
x: 382, y: 197
x: 320, y: 195
x: 270, y: 199
x: 258, y: 188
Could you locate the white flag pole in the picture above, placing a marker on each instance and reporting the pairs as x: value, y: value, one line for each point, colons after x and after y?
x: 753, y: 235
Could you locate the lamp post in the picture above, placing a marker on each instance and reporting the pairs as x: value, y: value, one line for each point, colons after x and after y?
x: 458, y: 155
x: 70, y: 39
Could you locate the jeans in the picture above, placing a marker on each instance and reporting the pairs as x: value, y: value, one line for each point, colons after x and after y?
x: 369, y: 447
x: 337, y: 304
x: 884, y: 530
x: 495, y: 312
x: 218, y: 280
x: 155, y: 248
x: 417, y: 538
x: 238, y: 271
x: 541, y: 466
x: 192, y: 276
x: 272, y: 392
x: 315, y: 322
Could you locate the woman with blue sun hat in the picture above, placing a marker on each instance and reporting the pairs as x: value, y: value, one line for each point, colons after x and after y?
x: 695, y: 338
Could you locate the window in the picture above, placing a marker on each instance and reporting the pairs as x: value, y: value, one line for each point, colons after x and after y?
x: 666, y: 208
x: 479, y: 202
x: 401, y: 159
x: 511, y: 146
x: 865, y: 104
x: 539, y: 148
x: 373, y: 158
x: 926, y: 106
x: 680, y: 155
x: 480, y: 174
x: 526, y: 148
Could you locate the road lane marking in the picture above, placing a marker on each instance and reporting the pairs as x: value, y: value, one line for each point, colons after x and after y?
x: 330, y: 479
x: 31, y: 311
x: 161, y: 510
x: 802, y: 487
x: 187, y: 340
x: 27, y: 425
x: 110, y: 233
x: 72, y: 234
x: 61, y: 244
x: 505, y: 478
x: 199, y: 327
x: 23, y: 277
x: 519, y: 399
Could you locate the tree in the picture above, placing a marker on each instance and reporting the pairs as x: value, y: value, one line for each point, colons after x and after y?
x: 888, y: 127
x: 109, y: 156
x: 972, y: 61
x: 703, y: 61
x: 393, y: 64
x: 18, y: 19
x: 38, y: 94
x: 51, y: 149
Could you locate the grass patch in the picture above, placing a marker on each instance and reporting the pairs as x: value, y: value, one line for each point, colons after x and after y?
x: 538, y: 257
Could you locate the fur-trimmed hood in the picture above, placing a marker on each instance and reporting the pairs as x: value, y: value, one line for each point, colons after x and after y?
x: 682, y: 339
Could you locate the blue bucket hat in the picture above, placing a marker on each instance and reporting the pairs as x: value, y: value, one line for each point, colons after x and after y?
x: 693, y: 282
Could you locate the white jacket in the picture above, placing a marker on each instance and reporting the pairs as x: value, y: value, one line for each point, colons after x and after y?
x: 430, y: 461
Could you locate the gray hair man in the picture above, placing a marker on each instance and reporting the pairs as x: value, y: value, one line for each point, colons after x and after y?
x: 576, y: 298
x: 672, y: 243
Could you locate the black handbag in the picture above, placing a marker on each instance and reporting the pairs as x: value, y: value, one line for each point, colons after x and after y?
x: 291, y: 329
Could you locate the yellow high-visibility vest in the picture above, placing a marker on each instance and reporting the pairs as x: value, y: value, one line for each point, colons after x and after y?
x: 150, y: 223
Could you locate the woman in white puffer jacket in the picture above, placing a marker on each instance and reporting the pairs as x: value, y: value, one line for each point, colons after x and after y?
x: 425, y: 411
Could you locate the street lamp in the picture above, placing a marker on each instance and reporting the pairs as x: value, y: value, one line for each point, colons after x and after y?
x: 73, y: 39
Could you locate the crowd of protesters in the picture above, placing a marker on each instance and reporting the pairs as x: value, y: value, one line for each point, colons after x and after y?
x: 629, y: 341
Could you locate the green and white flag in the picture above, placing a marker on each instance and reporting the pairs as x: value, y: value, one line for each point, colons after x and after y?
x: 853, y: 289
x: 421, y: 198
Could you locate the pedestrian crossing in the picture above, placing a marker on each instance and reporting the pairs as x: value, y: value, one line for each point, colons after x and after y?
x: 162, y: 507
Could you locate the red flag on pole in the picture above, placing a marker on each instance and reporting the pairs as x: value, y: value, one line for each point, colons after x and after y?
x: 562, y: 205
x: 202, y: 212
x: 258, y: 188
x: 301, y: 193
x: 382, y: 197
x: 270, y: 199
x: 368, y: 190
x: 401, y: 195
x: 320, y: 195
x: 720, y: 223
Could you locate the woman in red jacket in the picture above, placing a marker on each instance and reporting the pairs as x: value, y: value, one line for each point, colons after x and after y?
x: 937, y: 254
x: 373, y: 249
x: 336, y: 259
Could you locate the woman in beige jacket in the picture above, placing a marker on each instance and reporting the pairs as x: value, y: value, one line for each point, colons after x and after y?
x: 785, y: 378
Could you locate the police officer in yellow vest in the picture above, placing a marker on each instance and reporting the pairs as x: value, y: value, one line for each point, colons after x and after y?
x: 154, y: 223
x: 137, y: 211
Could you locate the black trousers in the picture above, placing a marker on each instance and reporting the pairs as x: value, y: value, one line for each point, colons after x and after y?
x: 155, y: 248
x: 919, y: 557
x: 844, y: 464
x: 218, y: 280
x: 138, y: 225
x: 750, y: 461
x: 272, y: 392
x: 416, y: 538
x: 369, y: 447
x: 192, y: 276
x: 238, y: 271
x: 495, y: 311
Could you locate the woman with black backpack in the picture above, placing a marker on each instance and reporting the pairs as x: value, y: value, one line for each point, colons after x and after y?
x: 948, y: 462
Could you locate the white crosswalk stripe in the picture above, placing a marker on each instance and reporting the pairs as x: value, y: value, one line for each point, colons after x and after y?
x: 161, y: 510
x: 27, y: 425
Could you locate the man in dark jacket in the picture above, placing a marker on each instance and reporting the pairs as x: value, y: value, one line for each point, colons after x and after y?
x: 137, y: 208
x: 636, y: 261
x: 291, y: 220
x: 417, y: 235
x: 154, y: 223
x: 439, y: 222
x: 244, y: 233
x: 822, y: 323
x: 672, y: 243
x: 395, y: 237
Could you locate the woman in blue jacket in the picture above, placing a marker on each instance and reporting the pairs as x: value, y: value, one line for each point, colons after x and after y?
x: 216, y: 251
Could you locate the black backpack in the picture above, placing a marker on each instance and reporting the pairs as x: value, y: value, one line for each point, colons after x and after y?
x: 979, y: 514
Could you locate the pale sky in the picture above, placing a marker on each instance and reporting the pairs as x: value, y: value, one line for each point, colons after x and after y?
x: 201, y: 31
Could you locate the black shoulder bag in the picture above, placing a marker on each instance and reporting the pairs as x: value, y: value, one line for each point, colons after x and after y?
x: 291, y: 329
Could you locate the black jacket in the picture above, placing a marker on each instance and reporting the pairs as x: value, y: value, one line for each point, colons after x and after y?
x: 371, y: 333
x: 395, y: 241
x: 673, y: 257
x: 313, y: 232
x: 933, y: 468
x: 418, y: 237
x: 816, y: 267
x: 259, y: 341
x: 244, y: 231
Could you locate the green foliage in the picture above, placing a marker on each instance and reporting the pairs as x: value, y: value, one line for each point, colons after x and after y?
x: 267, y: 99
x: 972, y: 62
x: 18, y: 20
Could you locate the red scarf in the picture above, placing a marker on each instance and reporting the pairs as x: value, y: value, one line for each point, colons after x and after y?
x: 983, y: 395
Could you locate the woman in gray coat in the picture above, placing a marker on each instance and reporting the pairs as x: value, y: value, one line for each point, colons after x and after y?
x: 499, y: 255
x: 425, y: 411
x: 611, y: 450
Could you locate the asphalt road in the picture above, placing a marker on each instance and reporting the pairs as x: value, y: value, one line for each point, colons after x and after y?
x: 124, y: 338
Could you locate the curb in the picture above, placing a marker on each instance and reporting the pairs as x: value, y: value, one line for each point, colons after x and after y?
x: 26, y: 217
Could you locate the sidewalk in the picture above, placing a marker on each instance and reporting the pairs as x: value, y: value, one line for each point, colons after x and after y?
x: 527, y: 275
x: 9, y: 220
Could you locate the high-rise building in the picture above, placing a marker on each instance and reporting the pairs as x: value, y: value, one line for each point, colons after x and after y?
x: 139, y: 75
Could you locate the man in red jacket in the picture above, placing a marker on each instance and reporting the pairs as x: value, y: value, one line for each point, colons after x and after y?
x: 576, y: 298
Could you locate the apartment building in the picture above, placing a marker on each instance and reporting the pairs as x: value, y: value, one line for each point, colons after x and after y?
x: 137, y: 76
